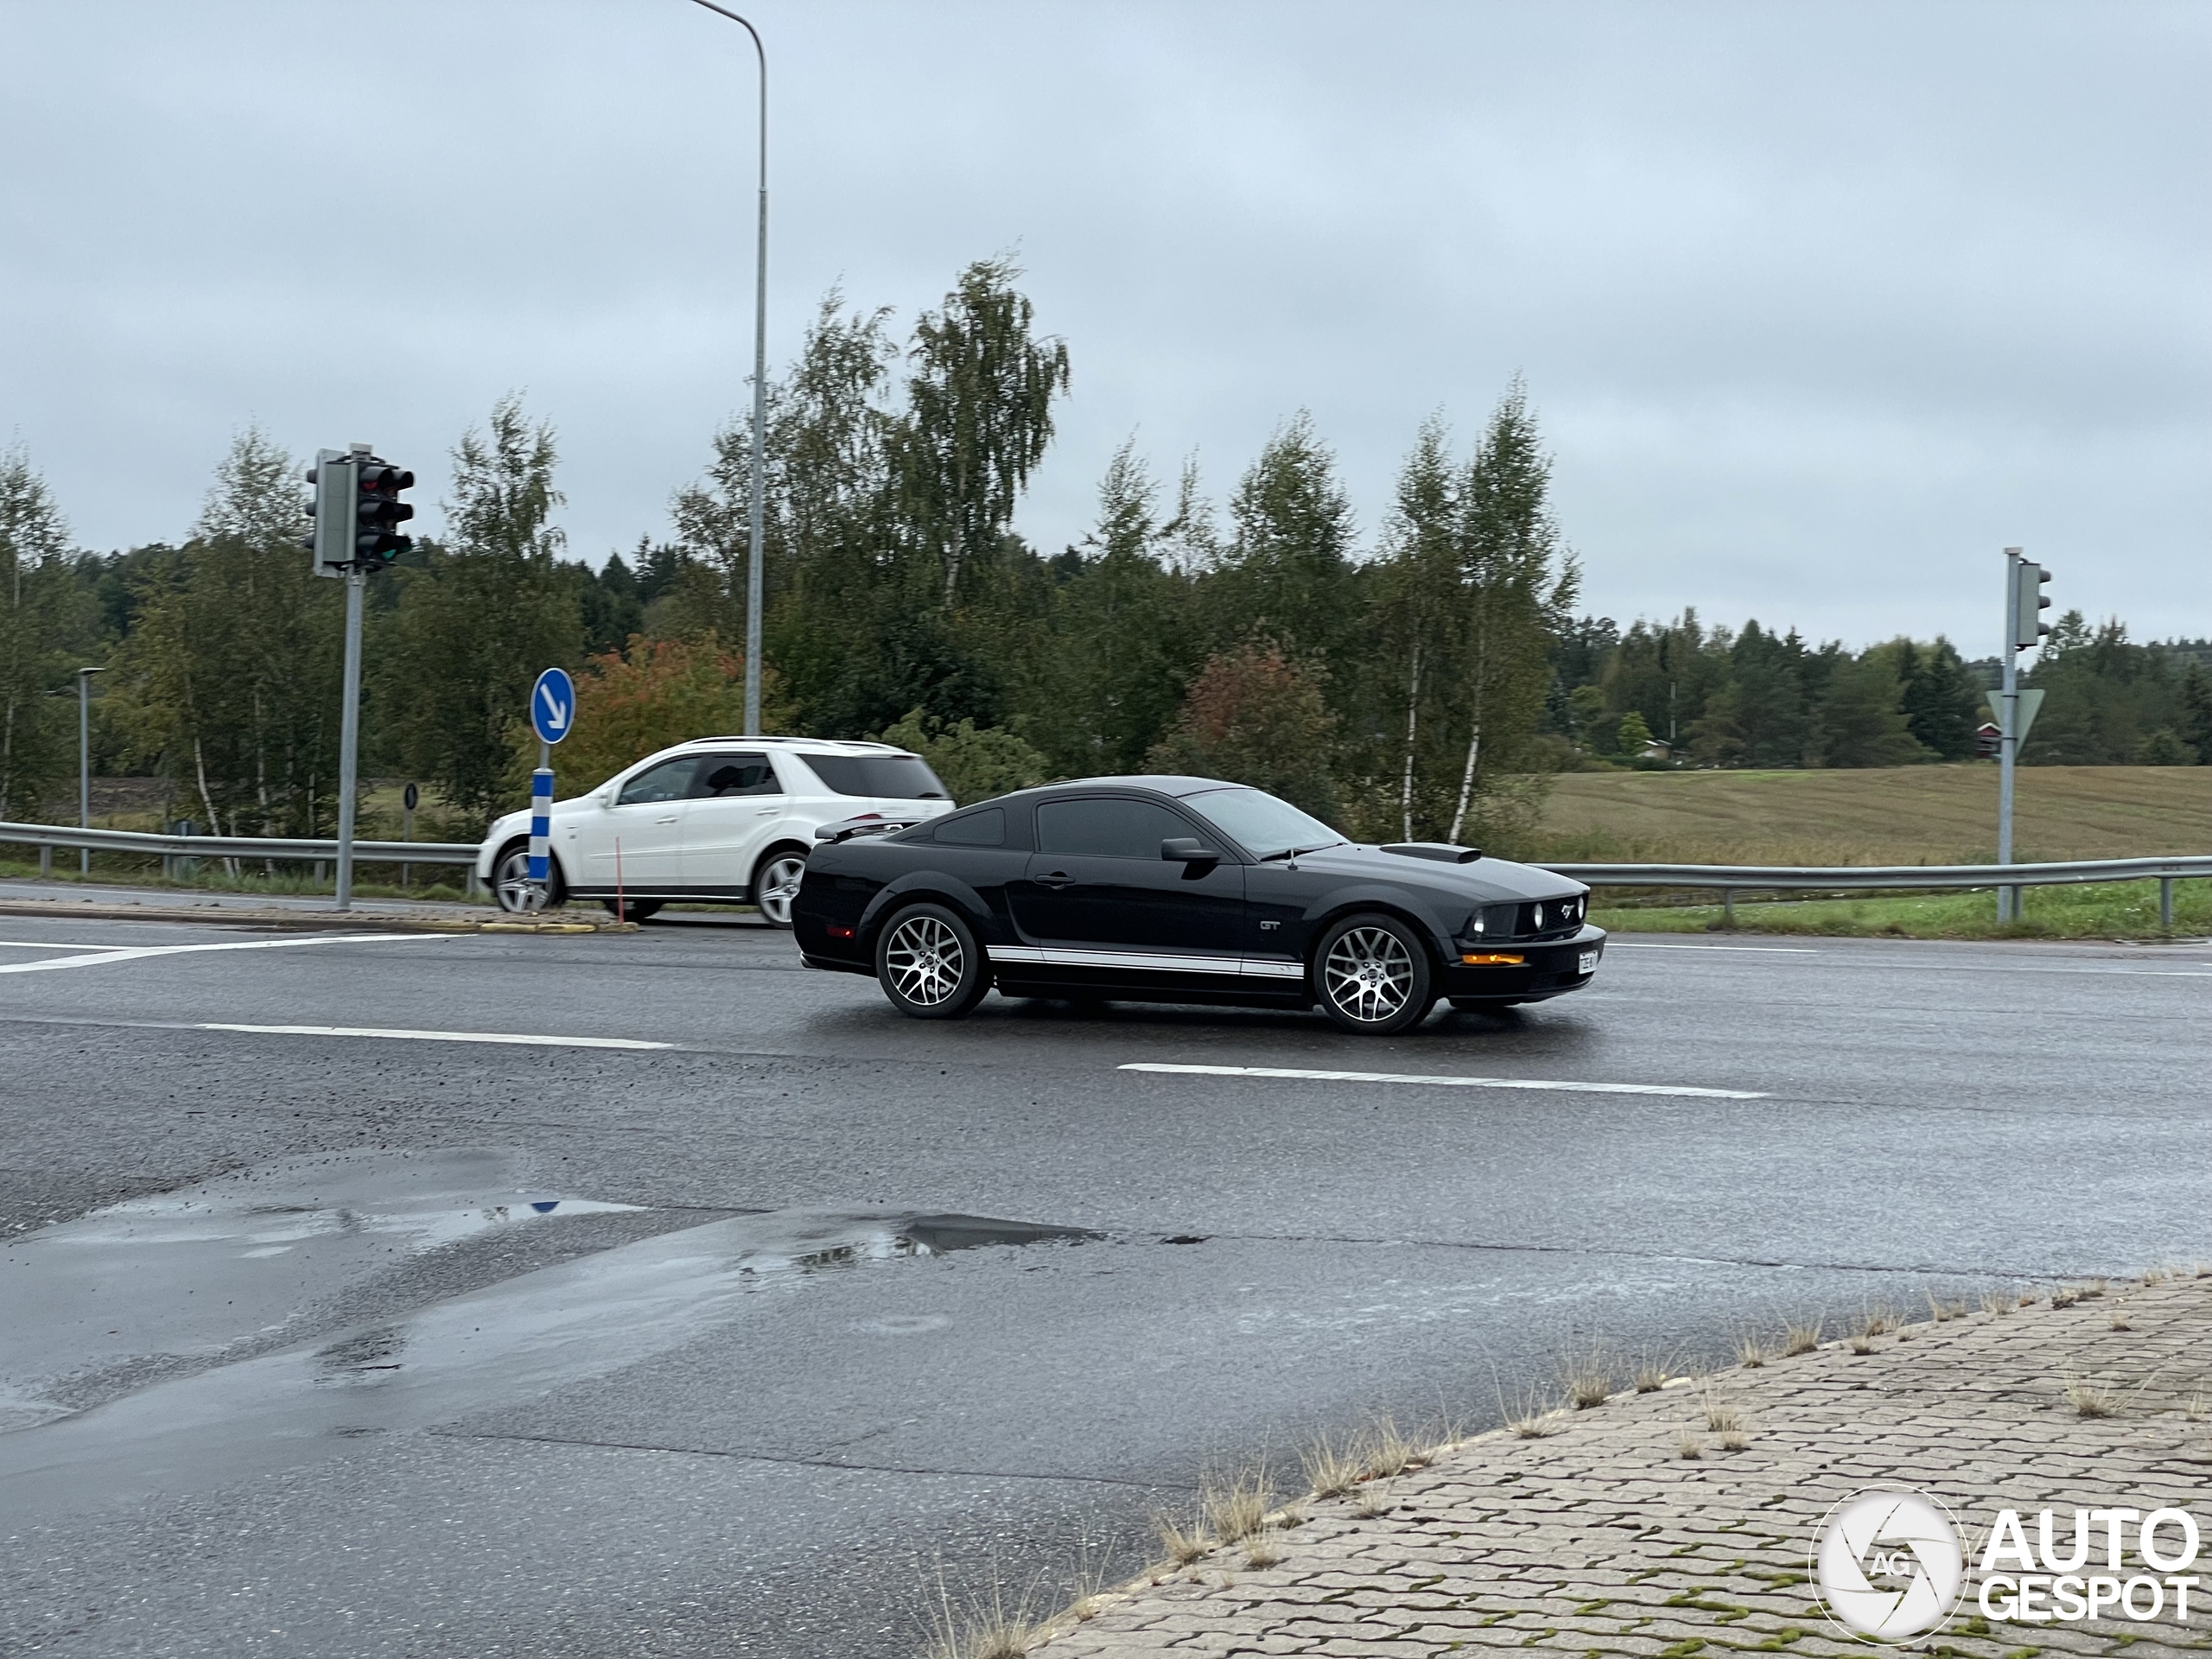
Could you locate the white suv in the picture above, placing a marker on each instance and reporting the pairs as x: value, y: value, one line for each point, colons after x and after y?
x: 718, y: 821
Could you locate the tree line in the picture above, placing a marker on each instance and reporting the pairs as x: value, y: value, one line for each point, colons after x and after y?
x: 1419, y: 682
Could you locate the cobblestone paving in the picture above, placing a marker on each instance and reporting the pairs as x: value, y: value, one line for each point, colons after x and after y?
x: 1604, y: 1537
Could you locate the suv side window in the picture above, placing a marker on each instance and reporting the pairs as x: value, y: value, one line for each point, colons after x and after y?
x: 723, y: 775
x: 669, y: 781
x: 1106, y: 828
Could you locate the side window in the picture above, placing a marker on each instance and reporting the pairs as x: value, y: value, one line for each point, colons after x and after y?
x: 669, y: 781
x: 1107, y: 828
x: 984, y: 829
x: 723, y: 775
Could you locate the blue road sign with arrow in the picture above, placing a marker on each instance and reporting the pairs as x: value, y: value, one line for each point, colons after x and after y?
x: 552, y: 705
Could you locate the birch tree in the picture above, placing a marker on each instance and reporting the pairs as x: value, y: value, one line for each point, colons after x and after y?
x: 34, y: 573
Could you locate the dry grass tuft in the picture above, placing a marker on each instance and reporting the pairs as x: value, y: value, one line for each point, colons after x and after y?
x: 1536, y: 1425
x: 1588, y: 1377
x: 1688, y: 1446
x: 1375, y: 1499
x: 1235, y: 1506
x: 982, y: 1630
x: 1263, y: 1550
x: 1182, y: 1543
x: 2064, y: 1296
x: 2096, y: 1288
x: 1999, y: 1302
x: 2119, y: 1320
x: 1720, y: 1417
x: 1332, y: 1467
x: 2091, y: 1399
x: 1735, y: 1441
x: 1752, y: 1350
x: 1801, y: 1339
x: 1384, y: 1452
x: 1651, y: 1375
x: 2197, y: 1408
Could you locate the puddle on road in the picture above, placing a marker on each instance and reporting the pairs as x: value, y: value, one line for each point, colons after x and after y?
x: 507, y: 1342
x: 193, y: 1273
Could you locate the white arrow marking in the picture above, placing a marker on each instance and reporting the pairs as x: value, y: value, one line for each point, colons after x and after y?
x: 557, y: 712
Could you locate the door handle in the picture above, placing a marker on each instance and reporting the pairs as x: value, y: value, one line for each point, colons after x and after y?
x: 668, y: 820
x: 1056, y: 879
x: 767, y: 811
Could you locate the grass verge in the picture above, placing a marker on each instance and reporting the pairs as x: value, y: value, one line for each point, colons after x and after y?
x: 2110, y: 910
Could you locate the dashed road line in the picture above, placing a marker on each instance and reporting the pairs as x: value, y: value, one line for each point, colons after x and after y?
x: 101, y: 955
x: 525, y: 1039
x: 1436, y: 1082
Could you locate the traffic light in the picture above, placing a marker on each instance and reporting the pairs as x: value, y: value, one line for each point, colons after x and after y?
x: 377, y: 511
x: 357, y: 511
x: 2029, y: 601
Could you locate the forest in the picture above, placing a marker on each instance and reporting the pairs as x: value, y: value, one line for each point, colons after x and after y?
x: 1420, y: 678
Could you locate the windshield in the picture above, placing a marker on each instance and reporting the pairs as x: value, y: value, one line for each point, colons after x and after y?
x: 1259, y: 824
x: 899, y: 777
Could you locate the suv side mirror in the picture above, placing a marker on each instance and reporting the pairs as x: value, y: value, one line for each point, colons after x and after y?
x: 1188, y: 849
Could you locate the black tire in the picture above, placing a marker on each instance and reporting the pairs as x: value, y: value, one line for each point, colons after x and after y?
x: 775, y: 884
x: 511, y: 879
x: 929, y: 963
x: 633, y: 910
x: 1373, y: 975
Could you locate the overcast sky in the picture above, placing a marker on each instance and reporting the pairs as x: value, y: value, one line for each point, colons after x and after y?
x: 1819, y: 306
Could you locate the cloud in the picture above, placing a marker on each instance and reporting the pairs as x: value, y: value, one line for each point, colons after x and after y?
x: 1821, y: 306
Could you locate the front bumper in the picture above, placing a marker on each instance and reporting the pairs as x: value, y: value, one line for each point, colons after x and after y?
x: 1547, y: 969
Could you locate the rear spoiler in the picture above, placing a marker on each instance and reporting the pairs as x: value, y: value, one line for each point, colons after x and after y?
x: 868, y: 823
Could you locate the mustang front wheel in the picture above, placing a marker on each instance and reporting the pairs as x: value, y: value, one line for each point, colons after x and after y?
x: 929, y: 963
x: 1373, y: 974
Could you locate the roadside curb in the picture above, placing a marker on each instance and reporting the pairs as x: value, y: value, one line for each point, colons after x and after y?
x: 1681, y: 1518
x: 299, y: 920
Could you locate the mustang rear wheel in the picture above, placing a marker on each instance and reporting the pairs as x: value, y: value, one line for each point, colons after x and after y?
x: 929, y: 963
x: 1374, y: 976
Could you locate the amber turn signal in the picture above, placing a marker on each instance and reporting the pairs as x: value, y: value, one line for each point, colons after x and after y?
x: 1493, y: 959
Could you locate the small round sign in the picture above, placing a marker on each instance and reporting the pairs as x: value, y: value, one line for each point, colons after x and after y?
x: 410, y: 797
x: 552, y: 705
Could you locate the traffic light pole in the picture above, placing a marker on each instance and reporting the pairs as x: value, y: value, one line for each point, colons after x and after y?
x: 2008, y: 741
x: 349, y: 734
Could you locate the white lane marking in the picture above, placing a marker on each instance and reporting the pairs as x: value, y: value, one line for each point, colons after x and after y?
x: 1761, y: 949
x: 48, y: 945
x: 437, y: 1036
x: 1446, y: 1083
x: 134, y: 952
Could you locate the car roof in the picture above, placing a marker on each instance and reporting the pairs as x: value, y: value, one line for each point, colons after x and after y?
x: 803, y: 745
x: 1151, y: 783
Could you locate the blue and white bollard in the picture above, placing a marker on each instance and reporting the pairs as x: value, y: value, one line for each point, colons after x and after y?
x: 541, y: 833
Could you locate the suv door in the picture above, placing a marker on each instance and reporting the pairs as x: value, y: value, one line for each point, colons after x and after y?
x: 1097, y: 894
x: 736, y: 805
x: 644, y: 830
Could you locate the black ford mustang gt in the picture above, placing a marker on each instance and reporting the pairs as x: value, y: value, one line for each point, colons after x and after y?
x: 1183, y: 890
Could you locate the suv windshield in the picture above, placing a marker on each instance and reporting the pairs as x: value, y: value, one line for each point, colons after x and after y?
x: 897, y: 776
x: 1264, y: 826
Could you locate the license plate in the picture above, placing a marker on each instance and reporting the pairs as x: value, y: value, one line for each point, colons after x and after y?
x: 1587, y: 964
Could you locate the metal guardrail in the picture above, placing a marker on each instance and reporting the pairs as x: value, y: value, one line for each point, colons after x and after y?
x: 134, y: 840
x: 1872, y: 877
x: 1731, y: 879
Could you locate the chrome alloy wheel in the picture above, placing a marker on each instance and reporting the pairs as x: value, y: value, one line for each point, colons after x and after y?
x: 777, y: 886
x: 510, y: 882
x: 924, y: 961
x: 1369, y: 974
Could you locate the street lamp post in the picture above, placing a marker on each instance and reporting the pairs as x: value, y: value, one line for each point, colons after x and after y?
x: 85, y: 762
x: 753, y: 585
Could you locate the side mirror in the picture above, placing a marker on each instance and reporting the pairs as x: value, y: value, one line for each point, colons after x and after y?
x: 1188, y: 849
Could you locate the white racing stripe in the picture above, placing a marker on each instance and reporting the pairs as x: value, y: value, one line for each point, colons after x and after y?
x: 137, y: 952
x: 525, y: 1038
x: 1446, y: 1083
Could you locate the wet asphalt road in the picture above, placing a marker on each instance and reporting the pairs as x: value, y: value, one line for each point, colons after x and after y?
x: 330, y: 1380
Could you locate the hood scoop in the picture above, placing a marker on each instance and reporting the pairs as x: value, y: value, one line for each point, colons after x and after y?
x: 1441, y: 852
